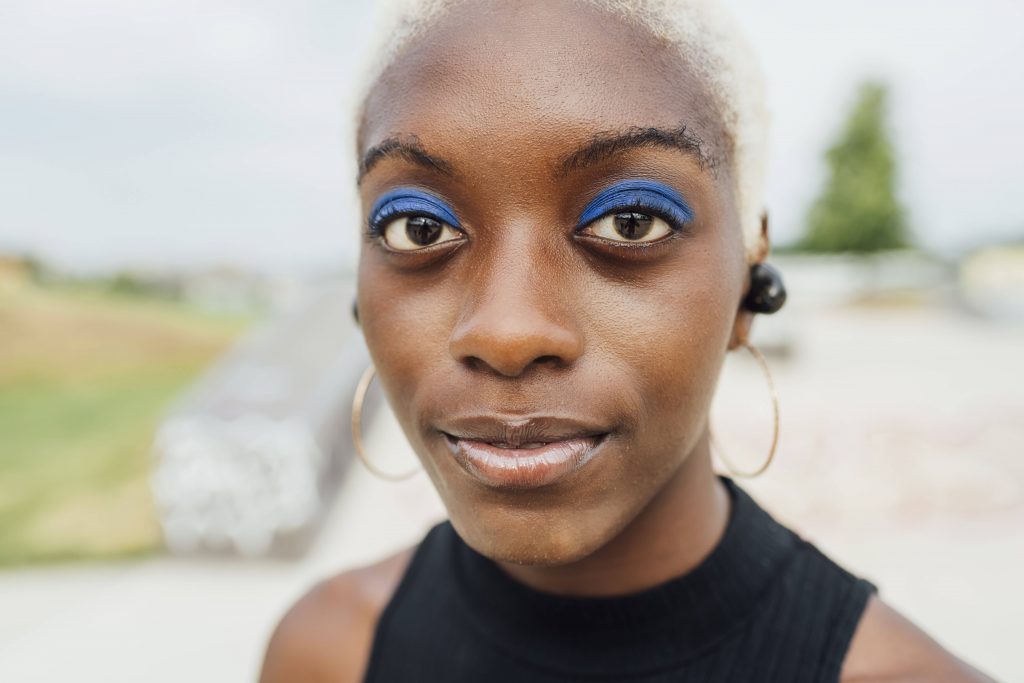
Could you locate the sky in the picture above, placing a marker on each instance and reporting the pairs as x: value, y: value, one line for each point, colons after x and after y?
x: 187, y: 133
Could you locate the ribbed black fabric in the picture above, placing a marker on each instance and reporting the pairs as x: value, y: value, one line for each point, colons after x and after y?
x: 764, y: 606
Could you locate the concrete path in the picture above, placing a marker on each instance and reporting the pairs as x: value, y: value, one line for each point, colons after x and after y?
x: 901, y: 456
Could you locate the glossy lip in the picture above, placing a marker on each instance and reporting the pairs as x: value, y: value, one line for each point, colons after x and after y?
x: 522, y: 453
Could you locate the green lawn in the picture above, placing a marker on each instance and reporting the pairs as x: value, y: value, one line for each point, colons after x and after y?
x: 84, y: 379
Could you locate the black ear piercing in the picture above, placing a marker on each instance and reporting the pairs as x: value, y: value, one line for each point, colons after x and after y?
x: 767, y: 292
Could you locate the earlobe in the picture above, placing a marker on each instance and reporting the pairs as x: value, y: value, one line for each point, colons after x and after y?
x: 763, y: 246
x: 767, y: 292
x: 741, y: 329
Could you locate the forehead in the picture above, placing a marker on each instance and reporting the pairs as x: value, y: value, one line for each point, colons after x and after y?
x: 535, y: 73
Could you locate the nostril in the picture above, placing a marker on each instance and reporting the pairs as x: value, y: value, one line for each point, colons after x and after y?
x: 474, y: 363
x: 511, y: 364
x: 499, y: 342
x: 510, y: 367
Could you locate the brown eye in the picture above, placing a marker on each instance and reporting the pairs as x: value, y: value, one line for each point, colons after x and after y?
x: 409, y: 233
x: 629, y: 226
x: 422, y: 230
x: 633, y: 226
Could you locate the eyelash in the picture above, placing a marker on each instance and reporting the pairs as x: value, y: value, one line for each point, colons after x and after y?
x: 643, y: 197
x: 663, y: 209
x: 400, y: 204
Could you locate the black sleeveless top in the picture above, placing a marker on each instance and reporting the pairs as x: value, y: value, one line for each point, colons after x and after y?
x: 764, y: 606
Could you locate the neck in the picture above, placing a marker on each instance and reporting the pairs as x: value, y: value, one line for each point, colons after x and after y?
x: 677, y: 529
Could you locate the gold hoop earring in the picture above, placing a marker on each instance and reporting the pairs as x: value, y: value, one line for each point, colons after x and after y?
x: 759, y: 357
x: 357, y: 429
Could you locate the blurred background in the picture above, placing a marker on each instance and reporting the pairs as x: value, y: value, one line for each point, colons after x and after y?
x: 178, y: 233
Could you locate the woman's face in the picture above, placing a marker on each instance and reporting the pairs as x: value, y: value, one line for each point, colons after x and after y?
x: 553, y: 269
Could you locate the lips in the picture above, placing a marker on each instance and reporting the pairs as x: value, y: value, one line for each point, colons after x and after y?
x: 522, y: 453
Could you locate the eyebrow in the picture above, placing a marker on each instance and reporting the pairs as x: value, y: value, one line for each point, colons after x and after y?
x: 406, y: 147
x: 603, y: 146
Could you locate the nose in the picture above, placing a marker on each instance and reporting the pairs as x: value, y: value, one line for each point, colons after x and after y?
x: 517, y: 316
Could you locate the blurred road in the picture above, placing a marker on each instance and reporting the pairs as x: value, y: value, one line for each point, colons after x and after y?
x: 900, y: 456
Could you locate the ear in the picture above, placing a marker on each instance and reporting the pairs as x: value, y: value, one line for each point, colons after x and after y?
x: 763, y: 246
x: 744, y: 321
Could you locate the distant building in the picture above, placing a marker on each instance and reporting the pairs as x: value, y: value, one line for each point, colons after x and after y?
x: 992, y: 282
x: 15, y: 272
x: 227, y: 290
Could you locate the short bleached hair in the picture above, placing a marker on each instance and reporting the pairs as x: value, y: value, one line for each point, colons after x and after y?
x: 709, y: 42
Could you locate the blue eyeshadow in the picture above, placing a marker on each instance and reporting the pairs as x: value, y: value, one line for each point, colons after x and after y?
x: 639, y: 195
x: 409, y: 201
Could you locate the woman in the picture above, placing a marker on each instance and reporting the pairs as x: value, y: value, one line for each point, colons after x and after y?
x: 563, y: 234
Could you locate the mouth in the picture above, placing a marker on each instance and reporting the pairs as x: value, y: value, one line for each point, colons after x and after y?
x: 524, y: 453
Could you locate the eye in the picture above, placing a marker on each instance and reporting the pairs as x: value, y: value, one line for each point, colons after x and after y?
x: 635, y: 211
x: 629, y: 226
x: 410, y: 233
x: 409, y: 219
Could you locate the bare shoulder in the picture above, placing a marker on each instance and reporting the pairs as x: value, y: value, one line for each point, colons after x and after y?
x: 888, y: 648
x: 327, y: 635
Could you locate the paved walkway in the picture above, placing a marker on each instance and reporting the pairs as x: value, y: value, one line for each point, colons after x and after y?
x: 900, y: 456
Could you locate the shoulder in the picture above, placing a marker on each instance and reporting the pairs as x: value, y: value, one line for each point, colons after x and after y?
x: 887, y: 648
x: 328, y: 634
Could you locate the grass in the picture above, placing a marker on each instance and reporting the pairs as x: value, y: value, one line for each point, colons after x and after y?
x: 85, y: 377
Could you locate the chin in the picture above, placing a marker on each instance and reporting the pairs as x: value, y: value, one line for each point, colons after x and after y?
x: 551, y: 538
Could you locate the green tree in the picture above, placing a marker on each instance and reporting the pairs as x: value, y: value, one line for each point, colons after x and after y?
x: 858, y: 210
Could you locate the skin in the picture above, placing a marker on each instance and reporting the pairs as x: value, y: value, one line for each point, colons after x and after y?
x: 524, y: 314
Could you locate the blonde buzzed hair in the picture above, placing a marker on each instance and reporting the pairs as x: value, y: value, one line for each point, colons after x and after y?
x: 708, y: 40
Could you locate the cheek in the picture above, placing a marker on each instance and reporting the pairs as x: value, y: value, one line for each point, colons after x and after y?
x: 669, y: 338
x: 405, y: 323
x: 672, y: 334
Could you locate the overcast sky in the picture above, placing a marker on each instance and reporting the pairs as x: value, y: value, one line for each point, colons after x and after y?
x: 188, y: 132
